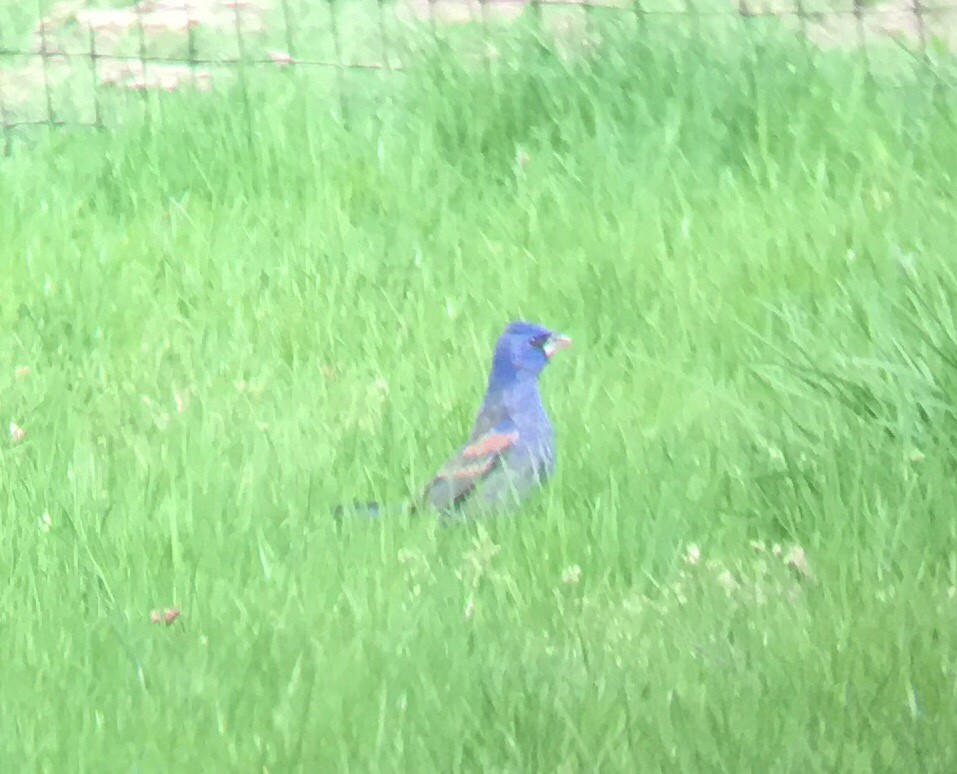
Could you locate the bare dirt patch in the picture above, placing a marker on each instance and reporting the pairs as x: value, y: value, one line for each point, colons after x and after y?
x: 75, y: 48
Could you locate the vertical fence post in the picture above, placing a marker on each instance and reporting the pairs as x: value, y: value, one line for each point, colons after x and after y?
x: 293, y: 54
x: 44, y: 64
x: 340, y: 64
x: 191, y: 51
x: 486, y: 41
x: 4, y: 119
x: 287, y: 23
x: 801, y: 14
x: 862, y: 35
x: 386, y: 63
x: 432, y: 20
x: 243, y: 80
x: 94, y: 76
x: 141, y: 33
x: 918, y: 8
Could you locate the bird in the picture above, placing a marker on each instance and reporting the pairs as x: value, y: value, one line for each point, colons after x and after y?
x: 510, y: 450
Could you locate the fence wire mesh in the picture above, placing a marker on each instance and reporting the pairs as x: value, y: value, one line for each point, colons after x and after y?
x: 67, y: 63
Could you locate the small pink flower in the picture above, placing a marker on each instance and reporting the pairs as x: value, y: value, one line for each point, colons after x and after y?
x: 165, y: 616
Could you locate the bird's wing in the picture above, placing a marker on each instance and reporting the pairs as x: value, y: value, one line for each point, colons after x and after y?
x: 473, y: 463
x: 490, y: 417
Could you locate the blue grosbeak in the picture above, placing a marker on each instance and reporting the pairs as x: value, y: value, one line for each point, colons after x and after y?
x: 511, y: 449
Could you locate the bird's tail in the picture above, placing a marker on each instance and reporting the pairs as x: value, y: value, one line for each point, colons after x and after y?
x: 369, y: 510
x: 363, y: 510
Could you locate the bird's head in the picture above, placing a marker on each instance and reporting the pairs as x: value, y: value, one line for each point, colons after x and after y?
x: 522, y: 352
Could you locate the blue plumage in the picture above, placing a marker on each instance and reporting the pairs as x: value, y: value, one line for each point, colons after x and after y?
x: 511, y: 449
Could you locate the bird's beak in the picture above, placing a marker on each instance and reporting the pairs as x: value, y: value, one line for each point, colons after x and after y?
x: 555, y: 342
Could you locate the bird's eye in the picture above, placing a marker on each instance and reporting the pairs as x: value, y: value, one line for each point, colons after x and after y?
x: 538, y: 341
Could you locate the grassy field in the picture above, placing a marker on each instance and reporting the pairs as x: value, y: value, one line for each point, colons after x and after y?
x: 217, y: 324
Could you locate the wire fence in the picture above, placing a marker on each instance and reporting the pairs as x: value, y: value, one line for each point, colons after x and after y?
x: 67, y: 64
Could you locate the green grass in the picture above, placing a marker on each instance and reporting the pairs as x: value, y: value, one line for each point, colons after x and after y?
x: 751, y: 244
